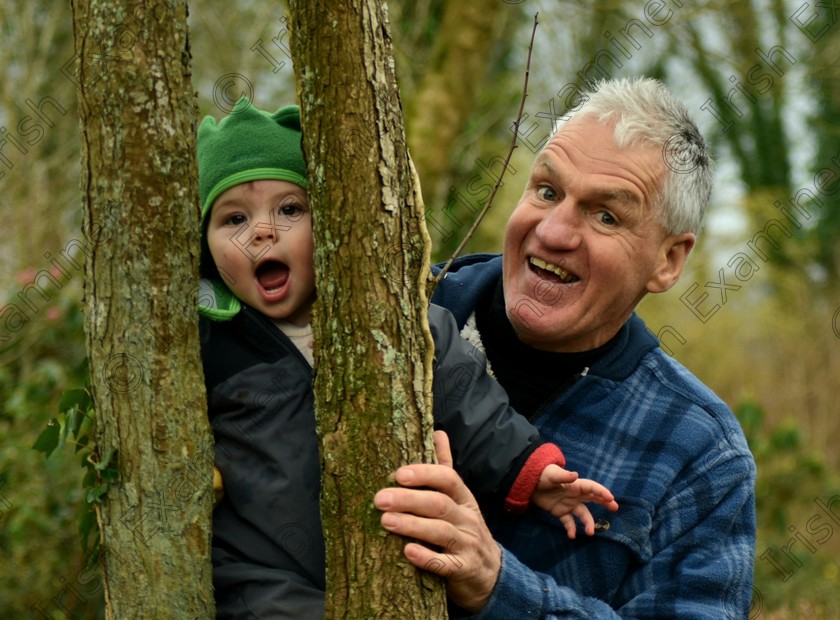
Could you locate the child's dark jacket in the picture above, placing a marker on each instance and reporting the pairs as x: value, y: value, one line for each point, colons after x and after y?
x: 268, y: 549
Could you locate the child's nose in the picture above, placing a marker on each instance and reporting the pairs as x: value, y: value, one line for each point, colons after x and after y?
x: 264, y: 231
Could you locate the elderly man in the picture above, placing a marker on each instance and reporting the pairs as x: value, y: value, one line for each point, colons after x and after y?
x: 606, y: 217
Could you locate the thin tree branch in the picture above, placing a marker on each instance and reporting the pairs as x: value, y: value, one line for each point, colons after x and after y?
x: 513, y: 145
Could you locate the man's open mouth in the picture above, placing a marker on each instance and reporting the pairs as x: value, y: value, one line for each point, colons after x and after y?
x: 272, y: 275
x: 551, y: 272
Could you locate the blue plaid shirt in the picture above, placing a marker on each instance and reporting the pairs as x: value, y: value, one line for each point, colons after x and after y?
x: 682, y: 544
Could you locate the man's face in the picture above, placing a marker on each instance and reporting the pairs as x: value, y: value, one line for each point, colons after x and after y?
x: 260, y: 237
x: 583, y: 246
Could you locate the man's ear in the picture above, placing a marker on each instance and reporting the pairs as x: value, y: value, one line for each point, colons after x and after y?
x: 672, y: 254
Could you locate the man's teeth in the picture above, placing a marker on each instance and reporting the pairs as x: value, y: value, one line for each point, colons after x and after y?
x: 556, y: 270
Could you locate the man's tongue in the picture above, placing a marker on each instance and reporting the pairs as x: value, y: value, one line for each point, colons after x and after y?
x: 272, y: 275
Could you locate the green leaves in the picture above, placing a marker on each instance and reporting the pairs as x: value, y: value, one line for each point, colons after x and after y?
x: 75, y: 424
x: 94, y: 493
x: 75, y: 407
x: 48, y: 440
x: 76, y: 404
x: 76, y: 400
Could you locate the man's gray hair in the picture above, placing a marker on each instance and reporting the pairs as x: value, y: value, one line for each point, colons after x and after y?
x: 646, y: 113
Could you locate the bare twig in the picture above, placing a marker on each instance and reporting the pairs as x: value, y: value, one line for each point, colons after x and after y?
x: 513, y: 145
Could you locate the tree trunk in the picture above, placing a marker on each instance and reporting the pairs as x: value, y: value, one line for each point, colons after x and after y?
x: 138, y: 185
x: 373, y: 351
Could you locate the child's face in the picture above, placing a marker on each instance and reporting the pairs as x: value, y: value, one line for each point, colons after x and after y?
x: 260, y: 237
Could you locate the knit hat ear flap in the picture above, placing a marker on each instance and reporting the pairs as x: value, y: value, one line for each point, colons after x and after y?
x: 288, y: 117
x: 248, y: 145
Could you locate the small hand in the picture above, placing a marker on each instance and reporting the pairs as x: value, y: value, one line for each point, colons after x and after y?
x: 563, y: 494
x: 218, y: 486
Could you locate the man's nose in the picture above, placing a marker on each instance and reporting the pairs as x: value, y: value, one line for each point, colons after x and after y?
x: 560, y: 227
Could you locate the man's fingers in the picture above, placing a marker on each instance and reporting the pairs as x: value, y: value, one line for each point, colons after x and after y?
x: 414, y: 501
x: 430, y: 531
x: 438, y: 478
x: 444, y: 564
x: 425, y: 558
x: 444, y: 453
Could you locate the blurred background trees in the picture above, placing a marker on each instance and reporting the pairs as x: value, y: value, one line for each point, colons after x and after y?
x: 760, y: 77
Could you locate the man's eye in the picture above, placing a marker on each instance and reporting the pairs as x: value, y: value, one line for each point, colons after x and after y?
x: 607, y: 218
x: 547, y: 193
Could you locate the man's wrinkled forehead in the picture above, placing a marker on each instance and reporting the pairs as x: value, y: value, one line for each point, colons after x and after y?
x: 544, y: 164
x: 585, y: 144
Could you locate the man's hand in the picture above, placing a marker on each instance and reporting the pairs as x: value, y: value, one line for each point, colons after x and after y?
x: 445, y: 516
x: 563, y: 494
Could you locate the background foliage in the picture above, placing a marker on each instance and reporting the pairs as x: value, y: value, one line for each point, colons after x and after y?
x: 764, y: 88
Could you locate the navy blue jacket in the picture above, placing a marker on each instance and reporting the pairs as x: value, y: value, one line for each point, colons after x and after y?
x: 682, y: 544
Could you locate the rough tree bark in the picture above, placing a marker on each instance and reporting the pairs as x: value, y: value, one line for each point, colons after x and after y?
x: 373, y: 347
x: 140, y: 201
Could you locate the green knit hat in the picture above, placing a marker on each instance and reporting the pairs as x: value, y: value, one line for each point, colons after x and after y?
x: 248, y: 145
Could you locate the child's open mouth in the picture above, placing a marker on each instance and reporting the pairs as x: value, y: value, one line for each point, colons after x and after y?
x: 272, y: 276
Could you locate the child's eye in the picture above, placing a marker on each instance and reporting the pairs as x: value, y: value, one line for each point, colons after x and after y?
x: 547, y: 193
x: 291, y: 211
x: 235, y: 220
